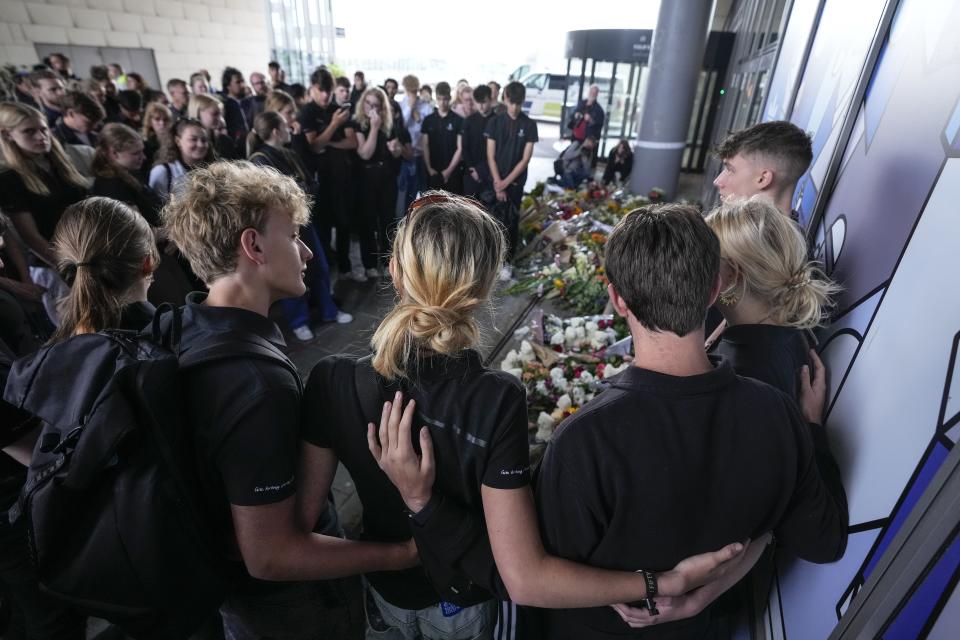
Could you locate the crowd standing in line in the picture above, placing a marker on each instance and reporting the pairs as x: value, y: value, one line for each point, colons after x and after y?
x: 117, y: 198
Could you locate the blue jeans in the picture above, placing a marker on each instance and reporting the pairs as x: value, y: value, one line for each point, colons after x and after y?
x: 412, y: 180
x: 297, y: 310
x: 387, y: 622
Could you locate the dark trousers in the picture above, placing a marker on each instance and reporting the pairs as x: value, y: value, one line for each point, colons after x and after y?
x: 453, y: 185
x: 333, y: 172
x: 379, y: 201
x: 508, y: 214
x: 473, y: 188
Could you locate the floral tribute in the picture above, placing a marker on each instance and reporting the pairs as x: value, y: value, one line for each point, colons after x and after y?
x: 563, y: 363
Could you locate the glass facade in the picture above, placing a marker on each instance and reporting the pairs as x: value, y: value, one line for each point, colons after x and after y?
x: 301, y: 35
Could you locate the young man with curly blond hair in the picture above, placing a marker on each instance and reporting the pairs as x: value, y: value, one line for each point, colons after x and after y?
x: 238, y: 225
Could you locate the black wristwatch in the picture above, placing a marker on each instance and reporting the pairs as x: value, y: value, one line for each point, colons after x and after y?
x: 650, y: 579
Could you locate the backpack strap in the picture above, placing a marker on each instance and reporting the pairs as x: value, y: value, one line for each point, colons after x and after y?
x: 366, y: 384
x: 234, y: 345
x: 166, y: 167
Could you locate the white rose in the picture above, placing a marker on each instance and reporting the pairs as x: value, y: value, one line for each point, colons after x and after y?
x: 515, y: 372
x: 545, y: 427
x: 591, y: 327
x: 576, y: 322
x: 609, y: 372
x: 579, y: 395
x: 564, y: 402
x: 586, y: 377
x: 541, y: 388
x: 556, y: 373
x: 510, y: 361
x: 570, y: 335
x: 557, y: 338
x: 581, y: 334
x: 526, y: 352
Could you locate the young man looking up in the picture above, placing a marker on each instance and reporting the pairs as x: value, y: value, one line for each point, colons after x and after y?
x: 441, y: 146
x: 235, y: 106
x: 179, y: 97
x: 510, y: 139
x: 474, y: 145
x: 48, y: 89
x: 685, y: 453
x: 767, y: 158
x: 238, y: 225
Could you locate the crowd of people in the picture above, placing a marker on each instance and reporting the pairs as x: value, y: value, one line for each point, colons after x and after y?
x: 650, y: 505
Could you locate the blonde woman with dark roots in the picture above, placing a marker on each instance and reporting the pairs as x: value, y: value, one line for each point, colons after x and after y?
x: 446, y: 257
x: 771, y: 293
x: 39, y: 182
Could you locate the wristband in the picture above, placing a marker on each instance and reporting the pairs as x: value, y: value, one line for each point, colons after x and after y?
x: 651, y: 581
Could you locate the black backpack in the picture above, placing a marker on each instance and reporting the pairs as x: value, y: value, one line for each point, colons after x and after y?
x: 115, y: 523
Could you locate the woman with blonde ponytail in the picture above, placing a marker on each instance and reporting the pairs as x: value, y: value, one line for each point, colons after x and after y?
x: 474, y: 474
x: 106, y: 252
x: 771, y: 294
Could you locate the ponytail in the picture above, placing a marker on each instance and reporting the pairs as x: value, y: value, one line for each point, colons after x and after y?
x: 101, y: 247
x: 770, y: 254
x: 446, y: 256
x: 263, y: 127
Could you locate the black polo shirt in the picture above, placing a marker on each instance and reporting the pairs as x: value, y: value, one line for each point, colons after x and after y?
x: 511, y: 136
x: 477, y: 420
x: 658, y: 468
x: 315, y: 119
x: 474, y: 145
x: 46, y: 210
x: 767, y: 353
x: 442, y: 132
x: 246, y: 415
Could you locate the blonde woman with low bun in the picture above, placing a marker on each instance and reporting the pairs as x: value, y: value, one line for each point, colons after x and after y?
x: 771, y: 293
x: 474, y: 473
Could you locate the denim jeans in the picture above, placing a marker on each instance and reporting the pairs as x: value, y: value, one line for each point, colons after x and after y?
x: 387, y: 622
x: 297, y: 310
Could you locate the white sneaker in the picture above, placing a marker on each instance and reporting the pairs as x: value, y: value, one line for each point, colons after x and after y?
x: 357, y: 276
x: 372, y: 273
x: 506, y: 273
x: 344, y: 317
x: 303, y: 334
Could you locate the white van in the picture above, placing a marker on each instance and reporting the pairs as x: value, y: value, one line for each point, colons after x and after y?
x: 545, y: 94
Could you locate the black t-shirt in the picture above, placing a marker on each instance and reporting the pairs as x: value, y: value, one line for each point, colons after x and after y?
x: 511, y: 137
x: 658, y: 468
x: 477, y: 420
x: 246, y: 414
x: 382, y: 155
x: 46, y: 210
x: 286, y: 162
x: 767, y: 353
x: 315, y: 119
x: 145, y: 199
x: 442, y: 132
x: 474, y: 145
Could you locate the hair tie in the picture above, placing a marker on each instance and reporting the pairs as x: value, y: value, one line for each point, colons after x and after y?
x: 798, y: 281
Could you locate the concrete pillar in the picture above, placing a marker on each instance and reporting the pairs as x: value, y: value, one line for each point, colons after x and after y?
x: 675, y: 62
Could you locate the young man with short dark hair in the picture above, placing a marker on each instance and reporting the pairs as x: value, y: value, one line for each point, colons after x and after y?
x: 179, y: 97
x: 476, y: 177
x: 510, y: 139
x: 278, y: 78
x: 238, y: 225
x: 767, y: 158
x: 359, y: 86
x: 48, y: 89
x: 331, y: 138
x: 441, y: 145
x: 498, y: 105
x: 129, y: 109
x: 79, y: 118
x: 686, y: 453
x: 390, y: 87
x: 235, y: 106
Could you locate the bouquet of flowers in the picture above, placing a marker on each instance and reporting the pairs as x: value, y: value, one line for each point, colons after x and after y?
x: 565, y: 371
